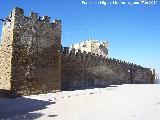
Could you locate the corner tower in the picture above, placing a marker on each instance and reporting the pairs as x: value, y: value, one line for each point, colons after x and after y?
x: 30, y: 54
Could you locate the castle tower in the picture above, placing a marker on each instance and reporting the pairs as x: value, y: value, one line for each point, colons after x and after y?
x: 93, y: 46
x: 30, y: 61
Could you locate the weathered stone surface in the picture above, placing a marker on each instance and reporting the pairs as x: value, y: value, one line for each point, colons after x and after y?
x: 30, y: 57
x: 82, y: 70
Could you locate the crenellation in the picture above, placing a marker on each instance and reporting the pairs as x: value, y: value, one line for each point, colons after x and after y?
x: 83, y: 55
x: 88, y: 56
x: 117, y: 62
x: 93, y: 54
x: 65, y: 50
x: 101, y: 60
x: 17, y: 12
x: 57, y: 25
x: 72, y: 52
x: 109, y: 60
x: 34, y: 16
x: 46, y: 18
x: 79, y: 55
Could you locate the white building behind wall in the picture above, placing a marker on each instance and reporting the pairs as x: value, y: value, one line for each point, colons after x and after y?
x: 93, y: 46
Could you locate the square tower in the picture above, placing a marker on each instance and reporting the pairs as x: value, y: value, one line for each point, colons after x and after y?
x: 30, y: 60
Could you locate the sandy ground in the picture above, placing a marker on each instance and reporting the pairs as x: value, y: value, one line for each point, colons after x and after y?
x: 123, y: 102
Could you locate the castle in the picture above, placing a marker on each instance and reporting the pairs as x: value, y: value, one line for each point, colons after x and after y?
x: 93, y: 46
x: 32, y: 60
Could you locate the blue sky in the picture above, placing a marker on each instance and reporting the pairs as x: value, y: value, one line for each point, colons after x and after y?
x: 133, y: 32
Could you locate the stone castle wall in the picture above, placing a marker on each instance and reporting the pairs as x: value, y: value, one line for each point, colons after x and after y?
x: 81, y: 70
x: 30, y: 57
x: 32, y: 61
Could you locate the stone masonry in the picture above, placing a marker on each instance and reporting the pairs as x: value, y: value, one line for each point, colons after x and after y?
x: 81, y: 70
x: 32, y: 60
x: 30, y: 54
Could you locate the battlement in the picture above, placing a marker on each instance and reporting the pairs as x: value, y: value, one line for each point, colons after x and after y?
x: 34, y: 16
x: 18, y: 15
x: 17, y: 12
x: 83, y: 69
x: 98, y: 58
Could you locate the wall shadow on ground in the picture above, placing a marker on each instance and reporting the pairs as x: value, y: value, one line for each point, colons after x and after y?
x: 8, y: 94
x: 22, y: 108
x: 85, y: 88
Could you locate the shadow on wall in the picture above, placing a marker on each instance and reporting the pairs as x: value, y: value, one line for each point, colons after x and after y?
x: 22, y: 108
